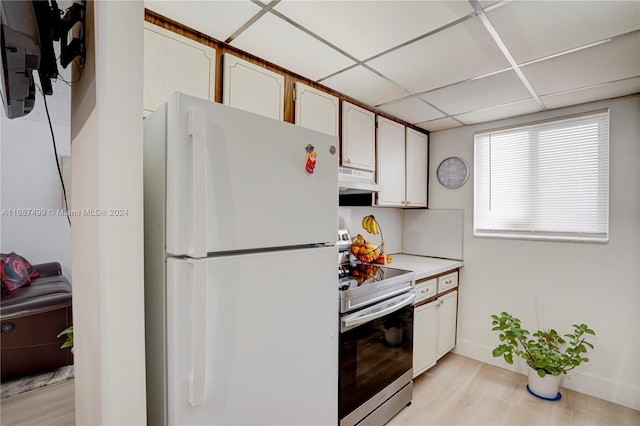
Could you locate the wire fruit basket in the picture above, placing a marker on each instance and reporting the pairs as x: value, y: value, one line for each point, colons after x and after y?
x: 364, y: 250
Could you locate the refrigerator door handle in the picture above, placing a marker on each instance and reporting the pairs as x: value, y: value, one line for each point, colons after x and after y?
x: 197, y: 380
x: 198, y: 133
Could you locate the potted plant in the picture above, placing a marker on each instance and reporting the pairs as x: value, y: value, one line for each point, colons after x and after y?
x: 546, y: 352
x: 69, y: 342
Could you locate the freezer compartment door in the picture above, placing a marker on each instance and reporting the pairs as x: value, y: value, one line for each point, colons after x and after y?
x: 237, y: 180
x: 253, y: 339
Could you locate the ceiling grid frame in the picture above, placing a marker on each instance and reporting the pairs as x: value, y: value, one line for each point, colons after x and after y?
x: 627, y: 82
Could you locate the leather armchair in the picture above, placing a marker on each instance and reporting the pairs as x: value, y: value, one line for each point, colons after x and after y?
x: 31, y: 318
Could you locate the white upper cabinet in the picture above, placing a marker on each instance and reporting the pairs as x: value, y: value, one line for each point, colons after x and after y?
x: 390, y: 163
x: 173, y: 63
x: 358, y: 137
x: 402, y: 165
x: 417, y: 169
x: 252, y: 88
x: 316, y: 110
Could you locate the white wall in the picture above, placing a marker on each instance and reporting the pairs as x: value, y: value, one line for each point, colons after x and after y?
x: 29, y: 180
x: 108, y: 258
x: 556, y: 284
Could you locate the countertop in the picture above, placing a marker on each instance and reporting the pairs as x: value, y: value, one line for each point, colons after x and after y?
x: 424, y: 266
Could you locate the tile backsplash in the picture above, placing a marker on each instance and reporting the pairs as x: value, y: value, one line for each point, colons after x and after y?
x: 421, y: 232
x: 390, y: 220
x: 434, y: 233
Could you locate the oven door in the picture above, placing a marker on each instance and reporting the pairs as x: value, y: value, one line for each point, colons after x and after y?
x: 376, y: 348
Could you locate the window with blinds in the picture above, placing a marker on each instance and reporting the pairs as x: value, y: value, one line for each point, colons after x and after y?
x: 547, y: 180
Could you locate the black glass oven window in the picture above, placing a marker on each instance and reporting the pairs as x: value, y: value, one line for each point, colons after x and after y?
x: 373, y: 355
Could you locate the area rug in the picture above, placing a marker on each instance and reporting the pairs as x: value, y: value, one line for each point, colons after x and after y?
x: 28, y: 383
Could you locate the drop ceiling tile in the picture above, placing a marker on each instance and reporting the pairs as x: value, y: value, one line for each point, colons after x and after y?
x: 611, y: 61
x: 534, y: 29
x: 496, y: 89
x: 277, y: 41
x: 500, y: 112
x: 458, y: 53
x: 218, y: 19
x: 591, y: 94
x: 411, y: 110
x: 366, y: 28
x: 439, y: 124
x: 365, y: 86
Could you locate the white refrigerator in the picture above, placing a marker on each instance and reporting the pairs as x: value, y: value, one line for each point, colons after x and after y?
x: 241, y: 218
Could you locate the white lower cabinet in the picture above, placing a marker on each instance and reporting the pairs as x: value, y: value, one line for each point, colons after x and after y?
x: 447, y: 315
x: 425, y: 334
x: 434, y: 324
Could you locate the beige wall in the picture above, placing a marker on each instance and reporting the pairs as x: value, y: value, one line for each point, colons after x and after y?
x: 556, y: 284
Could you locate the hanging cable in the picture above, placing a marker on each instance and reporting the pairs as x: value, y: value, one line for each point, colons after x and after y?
x: 55, y: 151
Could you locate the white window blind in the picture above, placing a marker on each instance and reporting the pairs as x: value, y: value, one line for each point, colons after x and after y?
x: 547, y: 180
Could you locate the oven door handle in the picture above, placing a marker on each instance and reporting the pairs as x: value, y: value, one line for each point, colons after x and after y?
x: 404, y: 300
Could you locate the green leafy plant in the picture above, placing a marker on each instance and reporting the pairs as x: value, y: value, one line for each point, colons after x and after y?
x: 69, y: 333
x: 545, y: 350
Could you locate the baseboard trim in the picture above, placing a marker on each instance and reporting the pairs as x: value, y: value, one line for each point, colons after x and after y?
x: 597, y: 387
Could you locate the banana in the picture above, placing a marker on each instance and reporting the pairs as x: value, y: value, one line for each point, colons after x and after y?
x: 365, y: 223
x: 370, y: 224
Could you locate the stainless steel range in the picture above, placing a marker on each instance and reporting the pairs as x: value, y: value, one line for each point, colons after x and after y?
x: 376, y: 339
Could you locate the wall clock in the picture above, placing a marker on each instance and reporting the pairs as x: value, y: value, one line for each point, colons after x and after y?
x: 453, y: 172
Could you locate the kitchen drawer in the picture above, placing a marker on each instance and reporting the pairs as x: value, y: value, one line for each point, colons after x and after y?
x: 426, y: 289
x: 447, y: 282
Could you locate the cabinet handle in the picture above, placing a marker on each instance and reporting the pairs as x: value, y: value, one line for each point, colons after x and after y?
x: 347, y: 161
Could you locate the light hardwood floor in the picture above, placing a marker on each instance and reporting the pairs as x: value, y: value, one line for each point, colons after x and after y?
x: 51, y: 406
x: 457, y: 391
x: 462, y: 391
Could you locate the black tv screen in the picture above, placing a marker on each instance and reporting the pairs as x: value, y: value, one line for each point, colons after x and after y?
x: 26, y: 46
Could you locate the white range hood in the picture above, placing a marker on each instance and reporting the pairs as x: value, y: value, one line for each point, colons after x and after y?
x: 353, y: 181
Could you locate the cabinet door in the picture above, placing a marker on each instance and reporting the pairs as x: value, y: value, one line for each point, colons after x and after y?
x: 447, y: 316
x: 417, y: 168
x: 358, y: 137
x: 173, y: 63
x: 252, y: 88
x: 424, y: 337
x: 390, y: 162
x: 316, y: 109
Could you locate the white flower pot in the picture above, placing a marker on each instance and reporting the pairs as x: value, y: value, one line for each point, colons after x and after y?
x: 545, y: 387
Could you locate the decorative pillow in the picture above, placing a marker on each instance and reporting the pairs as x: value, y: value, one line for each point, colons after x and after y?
x: 15, y: 271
